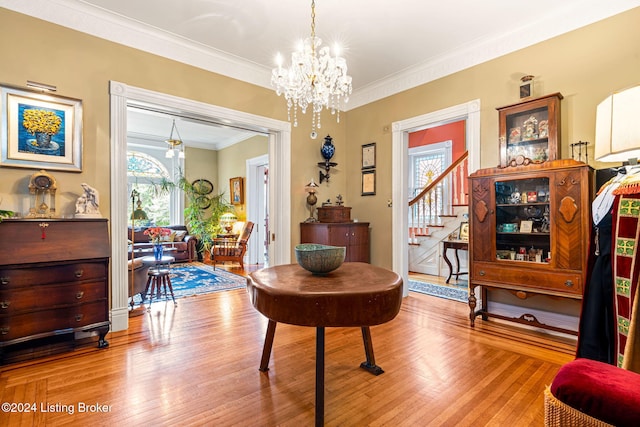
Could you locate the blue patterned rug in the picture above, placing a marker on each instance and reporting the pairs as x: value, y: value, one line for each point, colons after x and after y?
x: 188, y: 279
x: 456, y: 293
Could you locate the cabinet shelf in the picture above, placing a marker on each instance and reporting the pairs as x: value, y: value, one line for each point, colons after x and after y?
x: 515, y: 233
x: 508, y: 205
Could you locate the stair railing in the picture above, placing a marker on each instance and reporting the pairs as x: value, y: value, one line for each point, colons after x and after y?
x: 438, y: 198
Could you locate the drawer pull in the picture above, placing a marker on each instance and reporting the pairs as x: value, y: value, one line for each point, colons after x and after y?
x: 568, y: 284
x: 79, y: 295
x: 79, y: 273
x: 5, y: 304
x: 482, y: 273
x: 4, y: 331
x: 4, y: 280
x: 79, y: 317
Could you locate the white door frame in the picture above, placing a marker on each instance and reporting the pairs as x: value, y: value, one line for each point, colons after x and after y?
x: 255, y: 207
x: 279, y: 180
x: 470, y: 112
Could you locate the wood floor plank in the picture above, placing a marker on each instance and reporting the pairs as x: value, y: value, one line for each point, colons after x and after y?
x: 197, y: 364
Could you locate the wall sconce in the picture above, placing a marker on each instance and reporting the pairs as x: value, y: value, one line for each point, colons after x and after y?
x: 327, y: 150
x: 312, y: 199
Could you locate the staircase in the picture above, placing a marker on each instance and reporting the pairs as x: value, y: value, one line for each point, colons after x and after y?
x: 434, y: 214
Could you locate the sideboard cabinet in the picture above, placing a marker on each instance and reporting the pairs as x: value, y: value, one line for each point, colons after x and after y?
x: 529, y: 232
x: 53, y: 280
x: 353, y: 235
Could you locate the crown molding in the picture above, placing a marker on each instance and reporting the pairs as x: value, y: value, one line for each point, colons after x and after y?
x: 487, y: 49
x: 128, y: 32
x: 101, y: 23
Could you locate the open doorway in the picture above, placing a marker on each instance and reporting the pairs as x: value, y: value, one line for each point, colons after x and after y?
x: 279, y: 135
x: 469, y: 113
x: 258, y: 209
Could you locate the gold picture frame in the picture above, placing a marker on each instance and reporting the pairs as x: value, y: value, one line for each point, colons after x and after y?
x: 463, y: 233
x: 369, y: 183
x: 40, y: 130
x: 236, y: 186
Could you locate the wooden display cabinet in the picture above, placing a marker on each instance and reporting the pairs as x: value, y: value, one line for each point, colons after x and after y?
x: 529, y: 233
x: 530, y: 131
x: 352, y: 235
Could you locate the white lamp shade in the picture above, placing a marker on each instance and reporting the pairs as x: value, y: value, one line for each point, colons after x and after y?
x: 617, y: 132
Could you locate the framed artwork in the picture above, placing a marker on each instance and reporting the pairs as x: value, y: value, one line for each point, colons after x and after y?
x: 526, y: 226
x: 464, y: 231
x: 368, y: 183
x: 40, y: 130
x: 237, y: 190
x: 369, y: 156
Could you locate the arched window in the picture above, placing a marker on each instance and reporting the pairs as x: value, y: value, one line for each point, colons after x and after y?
x: 146, y: 174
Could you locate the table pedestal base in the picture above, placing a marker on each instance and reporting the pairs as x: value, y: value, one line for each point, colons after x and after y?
x: 369, y: 365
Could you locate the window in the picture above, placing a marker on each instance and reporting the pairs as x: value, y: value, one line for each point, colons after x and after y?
x: 145, y: 173
x: 427, y: 163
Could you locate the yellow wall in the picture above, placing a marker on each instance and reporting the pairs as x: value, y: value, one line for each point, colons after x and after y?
x: 232, y: 163
x: 202, y: 164
x: 584, y: 65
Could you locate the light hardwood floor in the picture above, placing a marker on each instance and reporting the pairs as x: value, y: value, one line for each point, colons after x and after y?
x: 197, y: 364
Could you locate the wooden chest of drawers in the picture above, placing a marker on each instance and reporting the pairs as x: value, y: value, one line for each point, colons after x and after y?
x: 53, y: 279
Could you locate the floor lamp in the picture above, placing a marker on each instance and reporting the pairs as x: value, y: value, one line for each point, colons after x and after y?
x: 136, y: 213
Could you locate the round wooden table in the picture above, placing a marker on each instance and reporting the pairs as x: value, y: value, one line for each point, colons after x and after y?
x: 356, y: 294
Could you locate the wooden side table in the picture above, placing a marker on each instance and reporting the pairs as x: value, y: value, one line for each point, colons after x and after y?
x: 356, y: 294
x: 456, y: 245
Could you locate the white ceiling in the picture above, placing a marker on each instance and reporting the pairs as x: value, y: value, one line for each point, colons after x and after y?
x: 389, y: 46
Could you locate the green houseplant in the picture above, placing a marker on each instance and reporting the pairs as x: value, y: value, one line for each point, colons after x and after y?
x: 202, y: 213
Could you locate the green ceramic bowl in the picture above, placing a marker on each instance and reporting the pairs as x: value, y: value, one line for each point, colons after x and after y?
x: 319, y: 259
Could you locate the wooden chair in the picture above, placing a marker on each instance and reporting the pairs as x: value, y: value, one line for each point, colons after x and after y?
x: 225, y: 249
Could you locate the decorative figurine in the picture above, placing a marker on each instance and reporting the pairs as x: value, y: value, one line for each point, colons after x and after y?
x: 88, y: 204
x: 339, y: 201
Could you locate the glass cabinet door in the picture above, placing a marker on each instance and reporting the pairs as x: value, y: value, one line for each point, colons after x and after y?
x: 529, y: 131
x: 522, y: 220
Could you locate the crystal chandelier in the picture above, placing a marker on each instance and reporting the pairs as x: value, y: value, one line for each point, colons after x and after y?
x: 315, y: 78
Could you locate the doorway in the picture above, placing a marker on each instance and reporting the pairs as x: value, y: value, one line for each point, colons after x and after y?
x: 470, y: 113
x: 258, y: 209
x: 279, y: 132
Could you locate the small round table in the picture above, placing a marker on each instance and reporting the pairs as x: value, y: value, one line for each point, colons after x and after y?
x: 356, y: 294
x: 158, y: 276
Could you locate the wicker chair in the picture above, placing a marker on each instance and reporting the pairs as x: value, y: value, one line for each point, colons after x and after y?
x: 225, y: 249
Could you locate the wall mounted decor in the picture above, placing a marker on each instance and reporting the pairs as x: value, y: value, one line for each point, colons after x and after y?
x: 369, y: 183
x: 236, y: 186
x: 529, y: 131
x: 40, y: 130
x: 369, y: 156
x: 327, y: 150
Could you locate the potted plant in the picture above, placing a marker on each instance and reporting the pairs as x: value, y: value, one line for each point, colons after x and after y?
x: 202, y: 214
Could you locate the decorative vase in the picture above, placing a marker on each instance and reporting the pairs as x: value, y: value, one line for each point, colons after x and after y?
x: 43, y: 139
x: 157, y: 251
x: 328, y: 149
